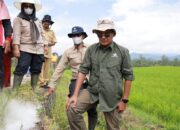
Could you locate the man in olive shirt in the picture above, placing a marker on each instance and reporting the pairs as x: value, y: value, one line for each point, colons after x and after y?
x: 110, y: 69
x: 74, y: 57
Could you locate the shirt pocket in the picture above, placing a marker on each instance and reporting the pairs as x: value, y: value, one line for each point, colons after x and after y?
x: 114, y: 65
x: 25, y: 28
x: 114, y: 68
x: 75, y: 59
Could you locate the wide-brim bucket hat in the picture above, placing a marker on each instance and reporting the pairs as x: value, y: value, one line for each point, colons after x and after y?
x: 37, y: 3
x: 77, y: 30
x: 47, y: 18
x: 103, y: 25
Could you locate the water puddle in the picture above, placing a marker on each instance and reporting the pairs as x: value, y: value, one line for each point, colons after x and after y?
x: 20, y: 115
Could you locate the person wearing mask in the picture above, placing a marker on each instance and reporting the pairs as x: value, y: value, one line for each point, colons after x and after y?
x: 74, y: 57
x: 110, y: 79
x: 5, y: 40
x: 29, y: 42
x: 50, y: 36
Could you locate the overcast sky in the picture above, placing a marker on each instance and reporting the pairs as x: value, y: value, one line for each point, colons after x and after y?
x: 143, y: 26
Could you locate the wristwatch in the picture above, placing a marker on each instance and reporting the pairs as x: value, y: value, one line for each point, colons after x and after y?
x: 125, y: 100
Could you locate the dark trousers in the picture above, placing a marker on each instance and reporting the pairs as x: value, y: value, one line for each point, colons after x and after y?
x: 1, y: 67
x: 26, y: 60
x: 92, y: 113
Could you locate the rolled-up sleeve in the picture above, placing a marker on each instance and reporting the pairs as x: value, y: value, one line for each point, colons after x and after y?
x: 86, y: 64
x: 127, y: 71
x: 16, y: 31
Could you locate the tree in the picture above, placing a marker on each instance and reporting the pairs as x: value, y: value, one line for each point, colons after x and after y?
x: 164, y: 60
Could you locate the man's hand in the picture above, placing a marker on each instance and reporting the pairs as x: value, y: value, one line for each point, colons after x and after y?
x: 71, y: 102
x: 49, y: 92
x: 7, y: 46
x: 121, y: 106
x: 16, y: 51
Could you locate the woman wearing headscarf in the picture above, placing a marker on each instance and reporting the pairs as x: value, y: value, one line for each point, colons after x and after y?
x: 29, y: 42
x: 5, y: 40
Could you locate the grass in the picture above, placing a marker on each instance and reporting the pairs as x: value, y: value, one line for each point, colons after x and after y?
x: 59, y: 111
x: 154, y: 101
x: 156, y: 93
x: 3, y: 104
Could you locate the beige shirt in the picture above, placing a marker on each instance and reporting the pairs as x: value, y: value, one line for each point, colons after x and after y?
x: 74, y: 58
x: 50, y: 37
x: 22, y: 36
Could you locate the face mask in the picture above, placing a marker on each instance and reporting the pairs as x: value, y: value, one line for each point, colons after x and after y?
x: 28, y: 11
x: 77, y: 40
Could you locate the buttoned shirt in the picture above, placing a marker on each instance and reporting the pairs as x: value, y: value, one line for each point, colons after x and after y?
x: 108, y: 67
x: 22, y: 36
x: 74, y: 58
x: 50, y: 37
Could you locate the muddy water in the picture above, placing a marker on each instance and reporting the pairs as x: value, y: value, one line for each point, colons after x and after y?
x: 21, y: 115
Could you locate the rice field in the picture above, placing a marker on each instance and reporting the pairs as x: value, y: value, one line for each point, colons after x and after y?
x: 156, y: 92
x: 154, y: 101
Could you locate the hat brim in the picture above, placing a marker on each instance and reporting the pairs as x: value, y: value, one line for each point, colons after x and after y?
x: 103, y: 28
x: 70, y: 35
x: 51, y: 22
x: 18, y: 5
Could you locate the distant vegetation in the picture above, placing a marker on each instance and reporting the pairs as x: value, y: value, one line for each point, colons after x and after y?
x: 164, y: 61
x: 142, y: 61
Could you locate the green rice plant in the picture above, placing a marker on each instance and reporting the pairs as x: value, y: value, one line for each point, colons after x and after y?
x: 156, y: 92
x: 59, y: 110
x: 3, y: 104
x: 153, y: 101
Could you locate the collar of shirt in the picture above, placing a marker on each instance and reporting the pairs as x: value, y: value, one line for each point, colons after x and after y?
x: 84, y: 46
x: 111, y: 46
x: 47, y: 30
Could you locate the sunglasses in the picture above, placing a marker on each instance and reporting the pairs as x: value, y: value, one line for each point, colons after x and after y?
x: 28, y: 5
x: 101, y: 35
x: 76, y: 35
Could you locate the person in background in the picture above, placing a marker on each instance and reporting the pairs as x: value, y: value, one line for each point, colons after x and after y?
x: 54, y: 60
x: 29, y: 42
x: 74, y: 57
x: 50, y: 36
x: 110, y: 79
x: 5, y: 43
